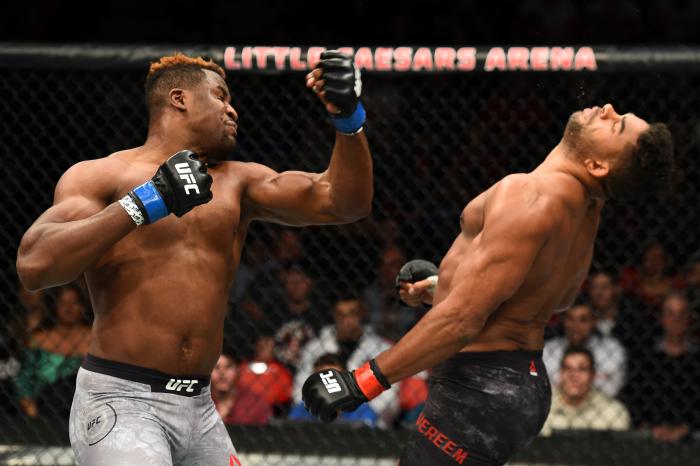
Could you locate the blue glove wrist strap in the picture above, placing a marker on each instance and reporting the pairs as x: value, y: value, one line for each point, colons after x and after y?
x: 351, y: 124
x: 152, y: 201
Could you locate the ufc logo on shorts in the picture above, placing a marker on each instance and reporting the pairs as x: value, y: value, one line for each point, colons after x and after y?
x: 186, y: 174
x: 176, y: 385
x: 331, y: 384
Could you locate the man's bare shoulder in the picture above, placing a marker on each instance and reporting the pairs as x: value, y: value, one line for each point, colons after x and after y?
x: 529, y: 197
x: 108, y: 165
x: 247, y: 171
x: 100, y: 176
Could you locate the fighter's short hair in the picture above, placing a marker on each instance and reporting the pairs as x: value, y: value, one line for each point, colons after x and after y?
x: 177, y: 70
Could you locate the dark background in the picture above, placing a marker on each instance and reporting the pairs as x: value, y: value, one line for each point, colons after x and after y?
x: 356, y: 22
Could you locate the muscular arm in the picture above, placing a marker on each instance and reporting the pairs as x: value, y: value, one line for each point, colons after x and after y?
x: 341, y: 194
x: 75, y: 232
x: 517, y: 225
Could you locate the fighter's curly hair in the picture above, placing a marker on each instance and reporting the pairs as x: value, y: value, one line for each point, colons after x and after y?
x: 177, y: 70
x: 647, y: 169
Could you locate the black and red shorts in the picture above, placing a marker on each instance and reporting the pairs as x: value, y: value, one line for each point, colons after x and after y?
x: 481, y: 409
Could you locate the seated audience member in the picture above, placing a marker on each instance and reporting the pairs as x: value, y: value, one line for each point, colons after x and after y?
x: 46, y: 380
x: 576, y: 404
x: 609, y: 355
x: 19, y: 322
x: 236, y: 403
x: 364, y: 414
x: 355, y: 344
x: 622, y: 317
x: 386, y: 313
x: 652, y: 281
x: 289, y: 340
x: 266, y: 376
x: 267, y: 308
x: 664, y: 396
x: 413, y: 392
x: 9, y: 368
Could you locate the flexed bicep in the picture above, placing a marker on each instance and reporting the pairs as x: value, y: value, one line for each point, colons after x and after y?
x: 81, y: 225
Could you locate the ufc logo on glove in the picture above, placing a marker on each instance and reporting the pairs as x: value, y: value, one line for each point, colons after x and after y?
x: 332, y: 385
x: 186, y: 174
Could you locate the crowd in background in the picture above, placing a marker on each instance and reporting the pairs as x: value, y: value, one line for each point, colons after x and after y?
x: 624, y: 356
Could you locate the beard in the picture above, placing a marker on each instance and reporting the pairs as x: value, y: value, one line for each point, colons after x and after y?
x: 573, y: 133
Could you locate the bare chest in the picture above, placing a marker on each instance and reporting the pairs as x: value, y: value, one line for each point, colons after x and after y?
x: 216, y: 223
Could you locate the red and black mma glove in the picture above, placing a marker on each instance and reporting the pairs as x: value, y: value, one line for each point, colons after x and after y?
x: 343, y: 86
x: 179, y: 185
x: 324, y: 393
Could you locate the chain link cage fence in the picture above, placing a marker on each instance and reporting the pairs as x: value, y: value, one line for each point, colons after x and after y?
x: 438, y: 139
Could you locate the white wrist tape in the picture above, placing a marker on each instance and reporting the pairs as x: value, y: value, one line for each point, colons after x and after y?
x: 132, y: 209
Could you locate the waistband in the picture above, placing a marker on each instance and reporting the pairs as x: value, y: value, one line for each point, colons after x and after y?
x: 160, y: 382
x: 518, y: 360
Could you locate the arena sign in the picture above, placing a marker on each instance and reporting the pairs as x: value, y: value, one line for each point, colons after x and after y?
x: 417, y: 59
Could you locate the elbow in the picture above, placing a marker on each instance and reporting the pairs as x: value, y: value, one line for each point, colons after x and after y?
x: 362, y: 211
x: 29, y: 275
x: 31, y: 271
x: 353, y: 214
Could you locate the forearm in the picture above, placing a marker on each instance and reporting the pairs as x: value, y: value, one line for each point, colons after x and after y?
x: 51, y: 253
x: 349, y: 175
x: 439, y: 335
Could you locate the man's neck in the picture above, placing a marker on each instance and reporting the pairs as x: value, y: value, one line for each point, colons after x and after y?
x: 299, y: 307
x: 573, y: 401
x: 225, y: 395
x: 166, y: 136
x: 674, y: 345
x: 608, y: 312
x: 562, y: 160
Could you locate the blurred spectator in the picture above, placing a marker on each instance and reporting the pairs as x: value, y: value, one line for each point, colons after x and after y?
x: 260, y: 273
x: 576, y: 404
x: 355, y: 344
x: 609, y: 355
x: 653, y: 281
x: 25, y: 319
x: 364, y: 414
x: 300, y: 301
x: 236, y: 403
x: 9, y: 367
x: 413, y: 392
x: 266, y: 314
x: 46, y: 381
x: 267, y: 377
x: 16, y: 324
x: 664, y: 396
x: 289, y: 340
x: 256, y: 263
x: 621, y: 317
x: 386, y: 312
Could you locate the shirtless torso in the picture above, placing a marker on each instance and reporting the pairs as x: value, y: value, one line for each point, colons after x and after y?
x: 557, y: 271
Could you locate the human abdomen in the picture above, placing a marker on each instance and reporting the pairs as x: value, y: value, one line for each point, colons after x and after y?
x: 160, y: 315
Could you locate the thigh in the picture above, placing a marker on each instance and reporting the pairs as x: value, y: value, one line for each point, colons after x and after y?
x: 211, y: 443
x: 488, y: 426
x: 438, y: 442
x: 420, y: 451
x: 116, y: 432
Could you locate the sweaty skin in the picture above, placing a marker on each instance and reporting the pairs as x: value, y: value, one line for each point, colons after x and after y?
x: 525, y: 246
x: 159, y: 291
